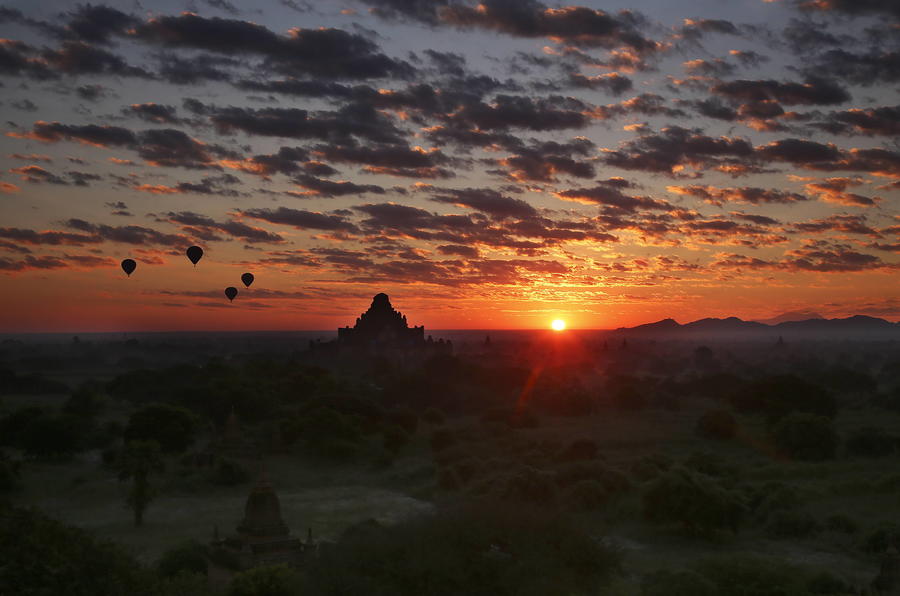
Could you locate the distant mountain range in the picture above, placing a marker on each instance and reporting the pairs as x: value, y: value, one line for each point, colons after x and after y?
x: 856, y: 327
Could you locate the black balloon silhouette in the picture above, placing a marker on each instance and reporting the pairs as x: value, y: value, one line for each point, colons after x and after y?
x: 128, y: 266
x: 194, y: 253
x: 230, y: 292
x: 247, y: 278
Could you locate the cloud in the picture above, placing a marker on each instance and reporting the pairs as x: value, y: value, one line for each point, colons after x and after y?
x: 327, y: 53
x: 301, y: 219
x: 815, y: 91
x: 746, y: 194
x: 486, y: 200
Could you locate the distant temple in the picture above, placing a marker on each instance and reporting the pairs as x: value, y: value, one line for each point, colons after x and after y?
x: 381, y: 325
x: 262, y: 536
x: 380, y: 332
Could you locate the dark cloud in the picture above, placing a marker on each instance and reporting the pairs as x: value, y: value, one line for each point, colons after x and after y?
x: 329, y: 188
x: 872, y: 68
x: 52, y: 262
x: 37, y: 174
x: 609, y: 196
x: 746, y: 194
x: 328, y: 53
x: 77, y: 58
x: 544, y: 161
x: 152, y: 112
x: 486, y: 200
x: 394, y: 159
x: 862, y: 121
x: 814, y: 91
x: 137, y: 235
x: 853, y: 7
x: 674, y: 148
x: 206, y: 227
x: 351, y: 121
x: 301, y: 219
x: 48, y: 237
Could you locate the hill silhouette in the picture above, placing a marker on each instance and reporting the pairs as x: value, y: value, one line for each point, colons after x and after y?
x: 855, y: 327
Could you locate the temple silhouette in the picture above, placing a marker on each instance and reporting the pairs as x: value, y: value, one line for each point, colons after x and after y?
x: 382, y: 331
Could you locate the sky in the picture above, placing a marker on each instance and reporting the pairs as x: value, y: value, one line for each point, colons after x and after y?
x: 489, y: 165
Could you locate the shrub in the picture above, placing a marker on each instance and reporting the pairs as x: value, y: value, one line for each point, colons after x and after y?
x: 405, y: 419
x: 190, y: 556
x: 629, y: 399
x: 650, y: 466
x: 882, y: 538
x: 269, y: 580
x: 841, y: 523
x: 612, y: 480
x: 780, y: 395
x: 772, y: 497
x: 806, y: 437
x: 870, y: 442
x: 529, y: 485
x: 826, y: 583
x: 711, y: 465
x: 719, y: 425
x: 493, y: 549
x: 791, y: 524
x: 434, y: 417
x: 395, y: 437
x: 677, y: 583
x: 9, y: 473
x: 755, y: 576
x: 693, y: 500
x: 588, y: 494
x: 441, y: 439
x: 229, y: 473
x: 172, y: 427
x: 578, y: 450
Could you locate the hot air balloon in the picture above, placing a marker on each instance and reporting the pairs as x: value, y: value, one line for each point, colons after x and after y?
x: 194, y: 253
x: 247, y: 278
x: 230, y: 292
x: 128, y: 266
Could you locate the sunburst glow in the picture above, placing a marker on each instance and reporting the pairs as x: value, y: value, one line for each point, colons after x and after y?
x: 558, y: 325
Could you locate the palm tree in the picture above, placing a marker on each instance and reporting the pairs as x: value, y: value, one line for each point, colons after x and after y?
x: 138, y: 460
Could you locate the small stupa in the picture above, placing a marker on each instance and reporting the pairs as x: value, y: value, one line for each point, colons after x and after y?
x: 262, y: 537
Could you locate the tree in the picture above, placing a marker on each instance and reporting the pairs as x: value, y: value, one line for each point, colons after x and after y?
x: 806, y: 437
x: 716, y: 424
x: 269, y: 580
x: 138, y: 460
x: 694, y: 500
x: 44, y: 556
x: 172, y: 427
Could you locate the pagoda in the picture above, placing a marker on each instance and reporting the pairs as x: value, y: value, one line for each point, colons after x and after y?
x: 262, y: 537
x: 381, y: 326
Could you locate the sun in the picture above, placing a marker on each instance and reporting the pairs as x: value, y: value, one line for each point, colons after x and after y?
x: 558, y: 325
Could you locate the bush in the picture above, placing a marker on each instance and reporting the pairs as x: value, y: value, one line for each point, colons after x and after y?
x: 9, y: 473
x: 490, y: 549
x: 629, y: 399
x: 173, y: 427
x: 677, y: 583
x: 693, y: 500
x: 229, y: 473
x: 405, y: 419
x: 612, y: 480
x: 434, y: 417
x: 806, y: 437
x: 589, y: 495
x: 650, y: 466
x: 779, y: 396
x: 792, y: 524
x: 442, y: 439
x: 755, y: 576
x: 772, y: 497
x: 882, y: 538
x: 841, y: 523
x: 269, y: 580
x: 395, y: 437
x: 43, y: 556
x: 871, y: 442
x: 190, y: 557
x: 711, y: 465
x: 529, y: 485
x: 826, y: 583
x: 719, y: 425
x: 579, y: 450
